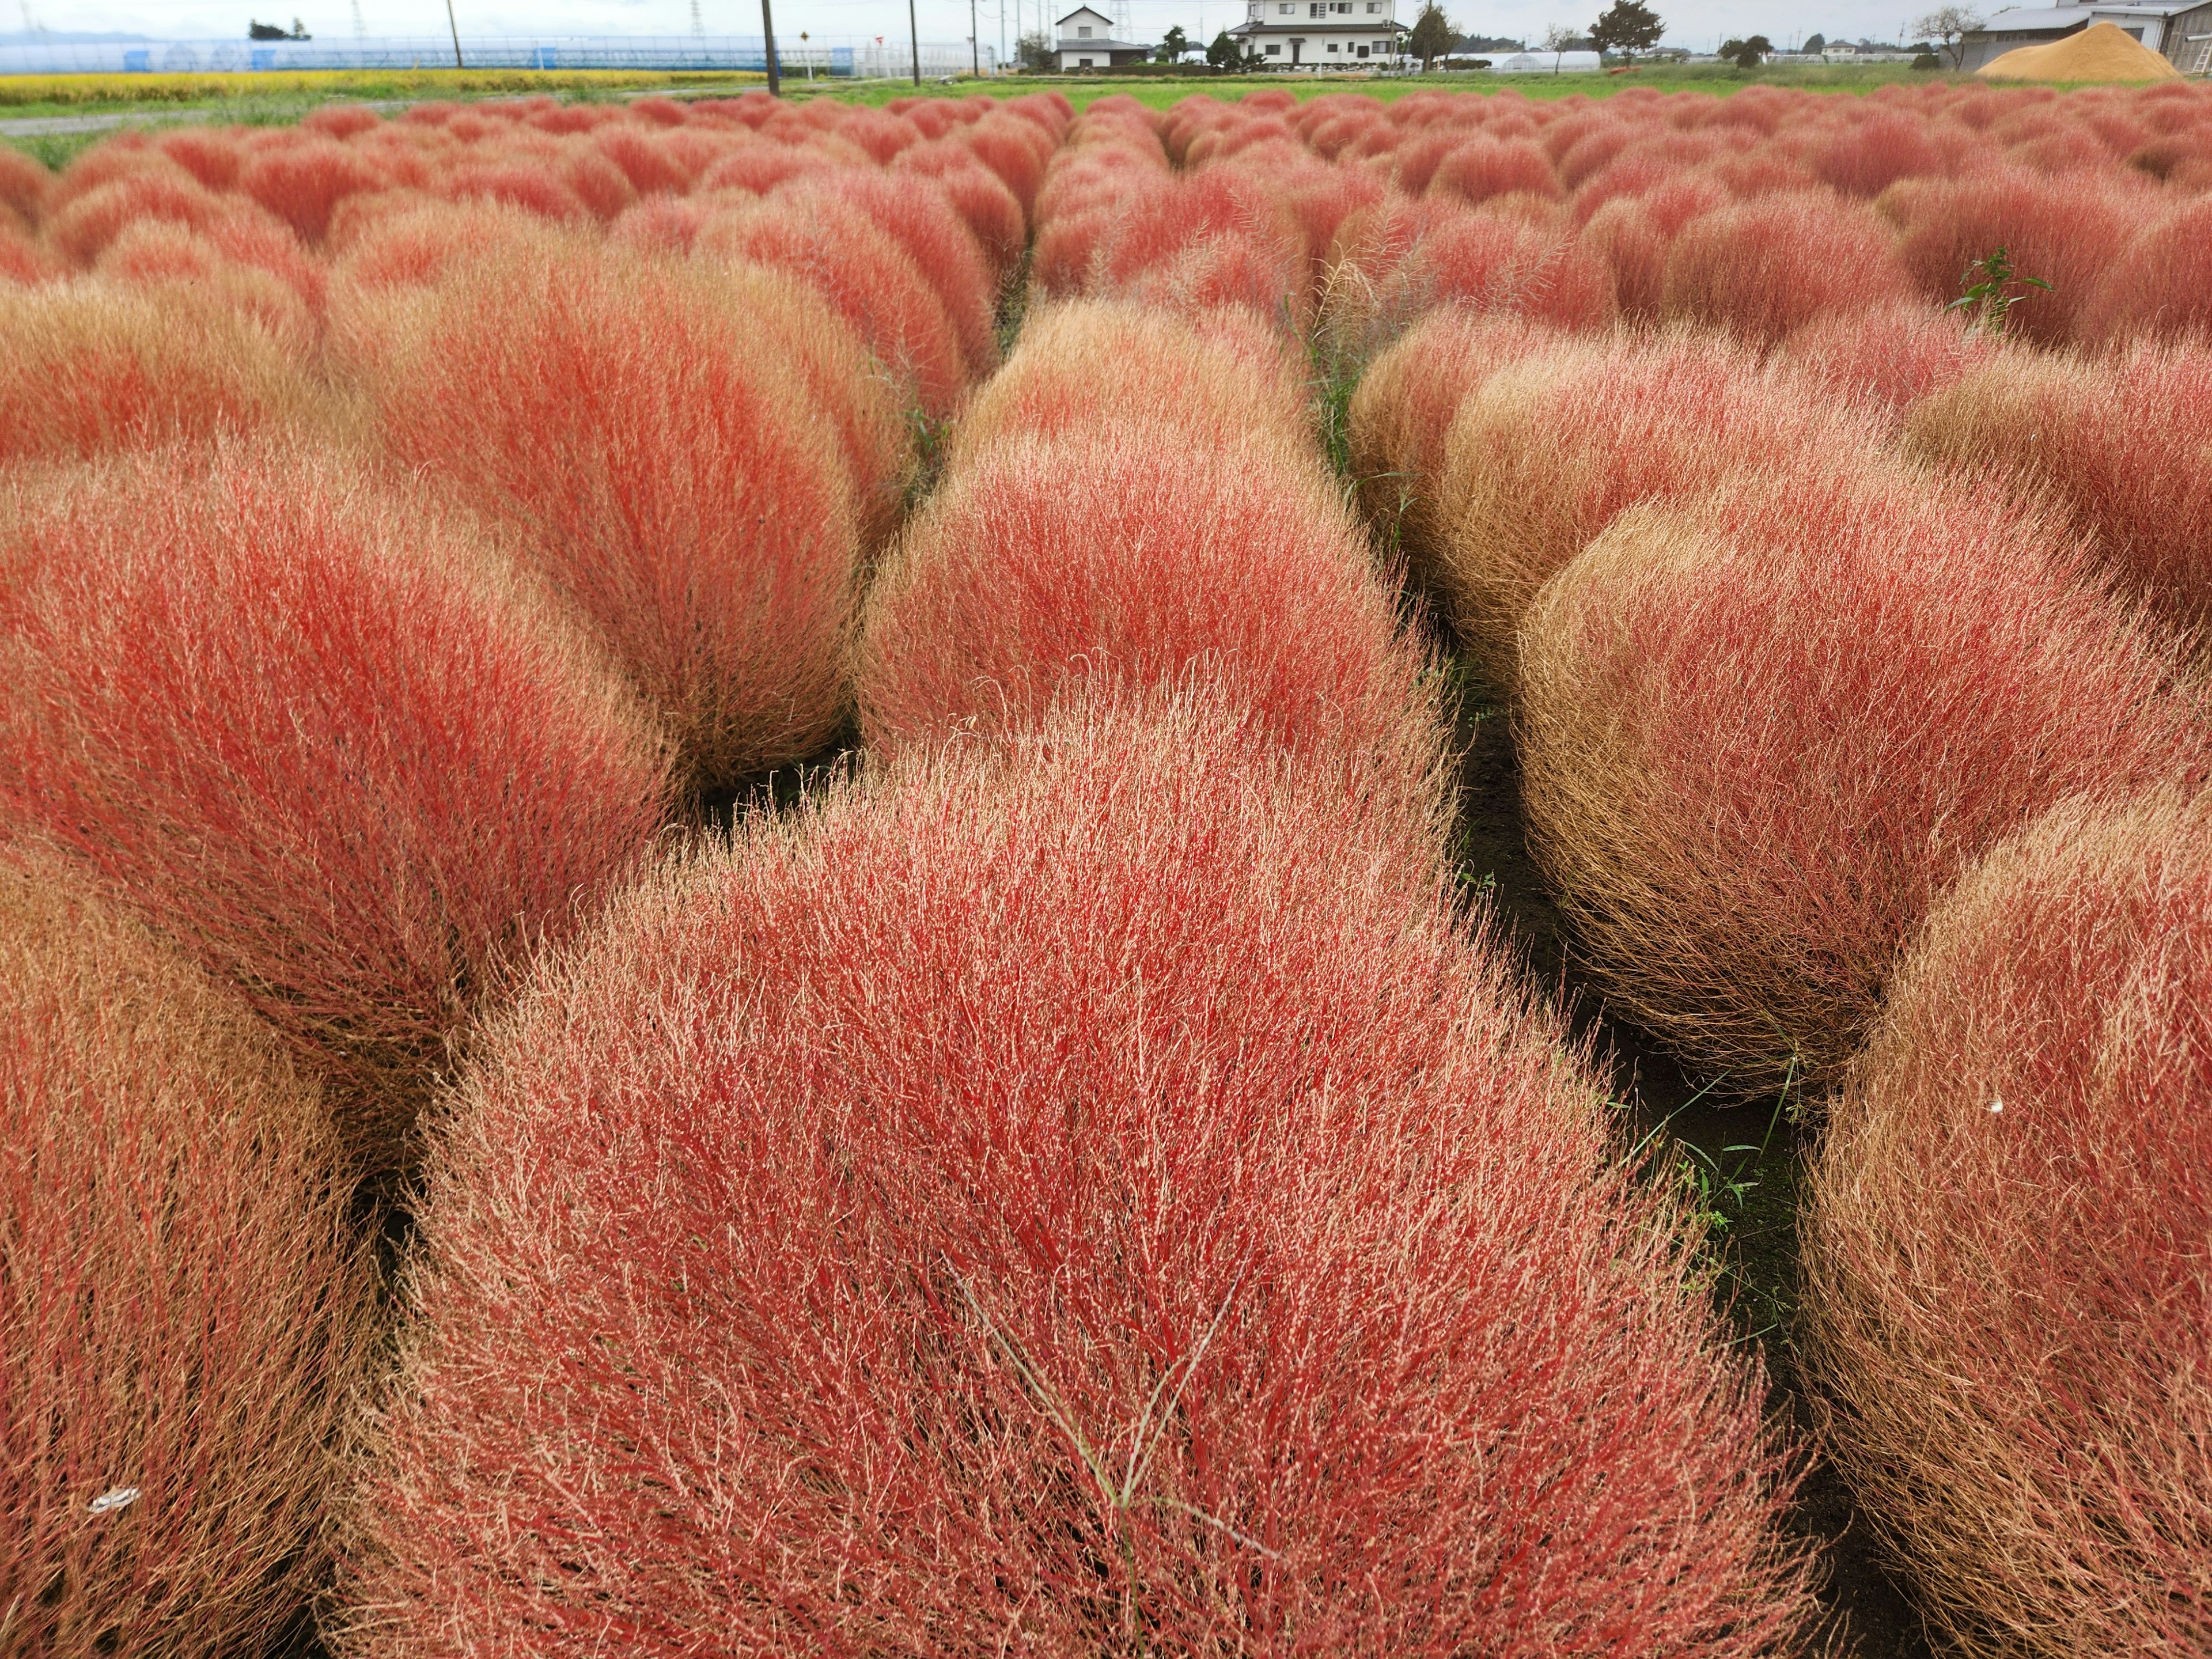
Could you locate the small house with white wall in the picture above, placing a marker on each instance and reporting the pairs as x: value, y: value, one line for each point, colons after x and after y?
x: 1320, y: 35
x: 1085, y: 41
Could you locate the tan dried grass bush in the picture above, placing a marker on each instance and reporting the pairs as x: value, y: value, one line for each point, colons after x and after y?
x: 1539, y: 460
x: 184, y: 1307
x: 2009, y: 1296
x: 1761, y: 733
x: 2122, y: 445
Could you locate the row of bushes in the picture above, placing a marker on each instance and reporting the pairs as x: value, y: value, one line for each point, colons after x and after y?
x: 1860, y: 770
x: 1767, y: 216
x: 1072, y: 1187
x: 345, y: 668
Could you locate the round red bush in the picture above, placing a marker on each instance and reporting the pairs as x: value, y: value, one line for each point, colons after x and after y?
x: 681, y: 486
x: 1763, y: 267
x: 2117, y: 444
x: 335, y: 751
x: 1073, y: 1196
x: 89, y: 368
x: 1098, y: 554
x: 186, y: 1310
x: 1762, y: 731
x: 2008, y: 1298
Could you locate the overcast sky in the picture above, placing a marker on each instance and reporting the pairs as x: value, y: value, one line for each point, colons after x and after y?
x: 1698, y: 24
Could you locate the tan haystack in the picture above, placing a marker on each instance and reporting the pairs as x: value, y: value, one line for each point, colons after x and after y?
x: 2103, y: 51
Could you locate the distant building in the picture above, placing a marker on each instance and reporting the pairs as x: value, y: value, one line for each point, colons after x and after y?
x: 2181, y: 30
x: 1322, y: 34
x: 1086, y: 42
x: 1547, y: 63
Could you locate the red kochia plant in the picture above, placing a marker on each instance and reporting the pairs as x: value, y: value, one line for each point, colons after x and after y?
x: 1762, y: 267
x: 864, y: 275
x: 1077, y: 1196
x: 2009, y: 1296
x: 325, y: 744
x: 1763, y: 731
x: 1402, y: 411
x: 1395, y: 261
x: 1098, y: 554
x: 185, y: 1310
x: 917, y: 214
x: 679, y: 484
x: 1552, y: 443
x: 2117, y: 444
x: 1888, y: 358
x: 87, y: 368
x: 2065, y: 232
x: 23, y: 187
x: 2161, y: 283
x: 1205, y: 376
x: 301, y: 182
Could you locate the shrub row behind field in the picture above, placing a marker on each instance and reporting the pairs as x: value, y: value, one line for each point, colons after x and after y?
x: 351, y: 668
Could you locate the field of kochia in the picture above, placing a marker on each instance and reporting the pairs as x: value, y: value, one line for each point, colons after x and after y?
x: 731, y: 917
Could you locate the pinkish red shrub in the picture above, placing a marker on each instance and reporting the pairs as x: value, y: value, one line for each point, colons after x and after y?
x: 1763, y: 731
x: 1401, y: 414
x: 1396, y: 261
x: 2162, y: 282
x: 2118, y: 445
x: 986, y: 205
x: 1865, y: 157
x: 1216, y: 375
x: 334, y: 750
x: 2008, y: 1298
x: 24, y: 184
x: 1073, y: 1196
x: 1764, y: 267
x: 2064, y: 232
x: 87, y: 368
x: 302, y: 183
x: 1890, y: 356
x: 1552, y: 443
x: 1482, y: 167
x: 916, y: 214
x: 1095, y: 555
x: 186, y: 1310
x: 679, y: 484
x: 865, y: 276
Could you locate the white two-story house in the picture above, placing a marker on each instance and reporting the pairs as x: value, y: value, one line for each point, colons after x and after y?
x: 1322, y: 34
x: 1085, y: 41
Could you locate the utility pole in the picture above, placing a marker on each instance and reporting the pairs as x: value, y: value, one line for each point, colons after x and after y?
x: 455, y: 29
x: 767, y: 36
x: 975, y: 51
x: 913, y: 34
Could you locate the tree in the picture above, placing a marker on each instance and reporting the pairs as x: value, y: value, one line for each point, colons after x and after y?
x: 1557, y: 38
x: 1629, y: 26
x: 1948, y: 25
x: 1172, y: 46
x: 1222, y: 54
x: 1033, y: 51
x: 1813, y: 42
x: 1432, y: 37
x: 1747, y: 54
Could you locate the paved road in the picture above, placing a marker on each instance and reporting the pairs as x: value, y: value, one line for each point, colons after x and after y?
x: 24, y: 127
